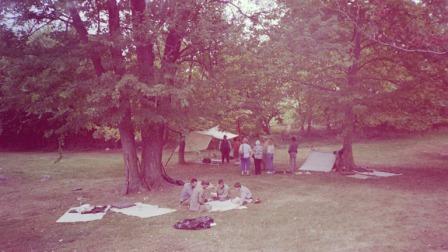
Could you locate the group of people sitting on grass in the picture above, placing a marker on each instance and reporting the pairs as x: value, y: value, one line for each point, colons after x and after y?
x: 262, y: 155
x: 196, y: 194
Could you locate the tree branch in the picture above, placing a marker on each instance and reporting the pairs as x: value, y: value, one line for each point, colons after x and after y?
x: 375, y: 39
x: 375, y: 59
x: 82, y: 32
x: 401, y: 48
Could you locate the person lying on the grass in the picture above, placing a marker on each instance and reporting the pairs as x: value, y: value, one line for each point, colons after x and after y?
x: 245, y: 194
x: 187, y: 191
x: 198, y: 199
x: 222, y: 192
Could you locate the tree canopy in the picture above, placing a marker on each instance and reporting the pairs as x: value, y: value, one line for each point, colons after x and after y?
x: 147, y: 68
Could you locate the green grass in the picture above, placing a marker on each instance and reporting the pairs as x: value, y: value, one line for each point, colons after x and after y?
x: 319, y: 212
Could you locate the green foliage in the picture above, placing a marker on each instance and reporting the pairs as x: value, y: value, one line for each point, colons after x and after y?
x: 47, y: 68
x: 395, y: 85
x: 296, y: 60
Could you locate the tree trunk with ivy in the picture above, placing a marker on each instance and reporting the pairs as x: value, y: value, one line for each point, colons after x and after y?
x: 131, y: 163
x: 181, y: 152
x: 152, y: 151
x: 347, y: 161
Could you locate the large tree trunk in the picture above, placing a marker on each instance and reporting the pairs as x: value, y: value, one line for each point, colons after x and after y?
x: 152, y: 133
x: 126, y: 128
x: 129, y: 150
x: 347, y: 161
x: 181, y: 152
x: 152, y: 141
x: 309, y: 126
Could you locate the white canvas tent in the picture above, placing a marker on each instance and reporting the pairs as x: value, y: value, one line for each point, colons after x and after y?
x: 200, y: 140
x: 319, y: 161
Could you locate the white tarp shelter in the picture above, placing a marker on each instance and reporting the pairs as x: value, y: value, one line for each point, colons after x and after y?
x: 319, y: 161
x: 200, y: 140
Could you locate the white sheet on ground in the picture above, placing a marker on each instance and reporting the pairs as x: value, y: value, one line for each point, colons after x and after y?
x: 358, y: 176
x: 372, y: 174
x: 216, y: 161
x: 143, y: 210
x: 379, y: 173
x: 79, y: 217
x: 319, y: 161
x: 221, y: 206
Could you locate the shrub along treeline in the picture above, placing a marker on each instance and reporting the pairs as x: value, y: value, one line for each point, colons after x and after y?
x: 21, y: 132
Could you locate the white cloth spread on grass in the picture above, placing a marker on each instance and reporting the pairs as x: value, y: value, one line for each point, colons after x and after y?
x: 215, y: 161
x: 143, y: 210
x: 77, y: 216
x: 221, y: 206
x: 358, y: 176
x: 372, y: 174
x: 379, y: 173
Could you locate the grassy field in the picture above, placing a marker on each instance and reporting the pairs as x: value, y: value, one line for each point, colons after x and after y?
x: 318, y: 212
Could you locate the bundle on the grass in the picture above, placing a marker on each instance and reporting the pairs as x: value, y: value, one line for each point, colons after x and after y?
x: 202, y: 222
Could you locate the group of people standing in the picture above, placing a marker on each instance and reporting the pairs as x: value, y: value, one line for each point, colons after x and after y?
x: 196, y: 196
x: 263, y: 154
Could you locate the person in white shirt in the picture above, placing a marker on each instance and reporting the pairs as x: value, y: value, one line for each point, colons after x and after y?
x: 187, y: 191
x: 270, y: 149
x: 245, y: 152
x: 245, y: 194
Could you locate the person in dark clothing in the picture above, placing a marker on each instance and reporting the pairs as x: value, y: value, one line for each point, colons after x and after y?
x: 292, y: 150
x: 258, y: 157
x: 224, y: 147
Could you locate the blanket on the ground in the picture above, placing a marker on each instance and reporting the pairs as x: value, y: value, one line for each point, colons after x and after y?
x: 221, y: 206
x: 143, y: 210
x: 83, y: 213
x: 372, y: 174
